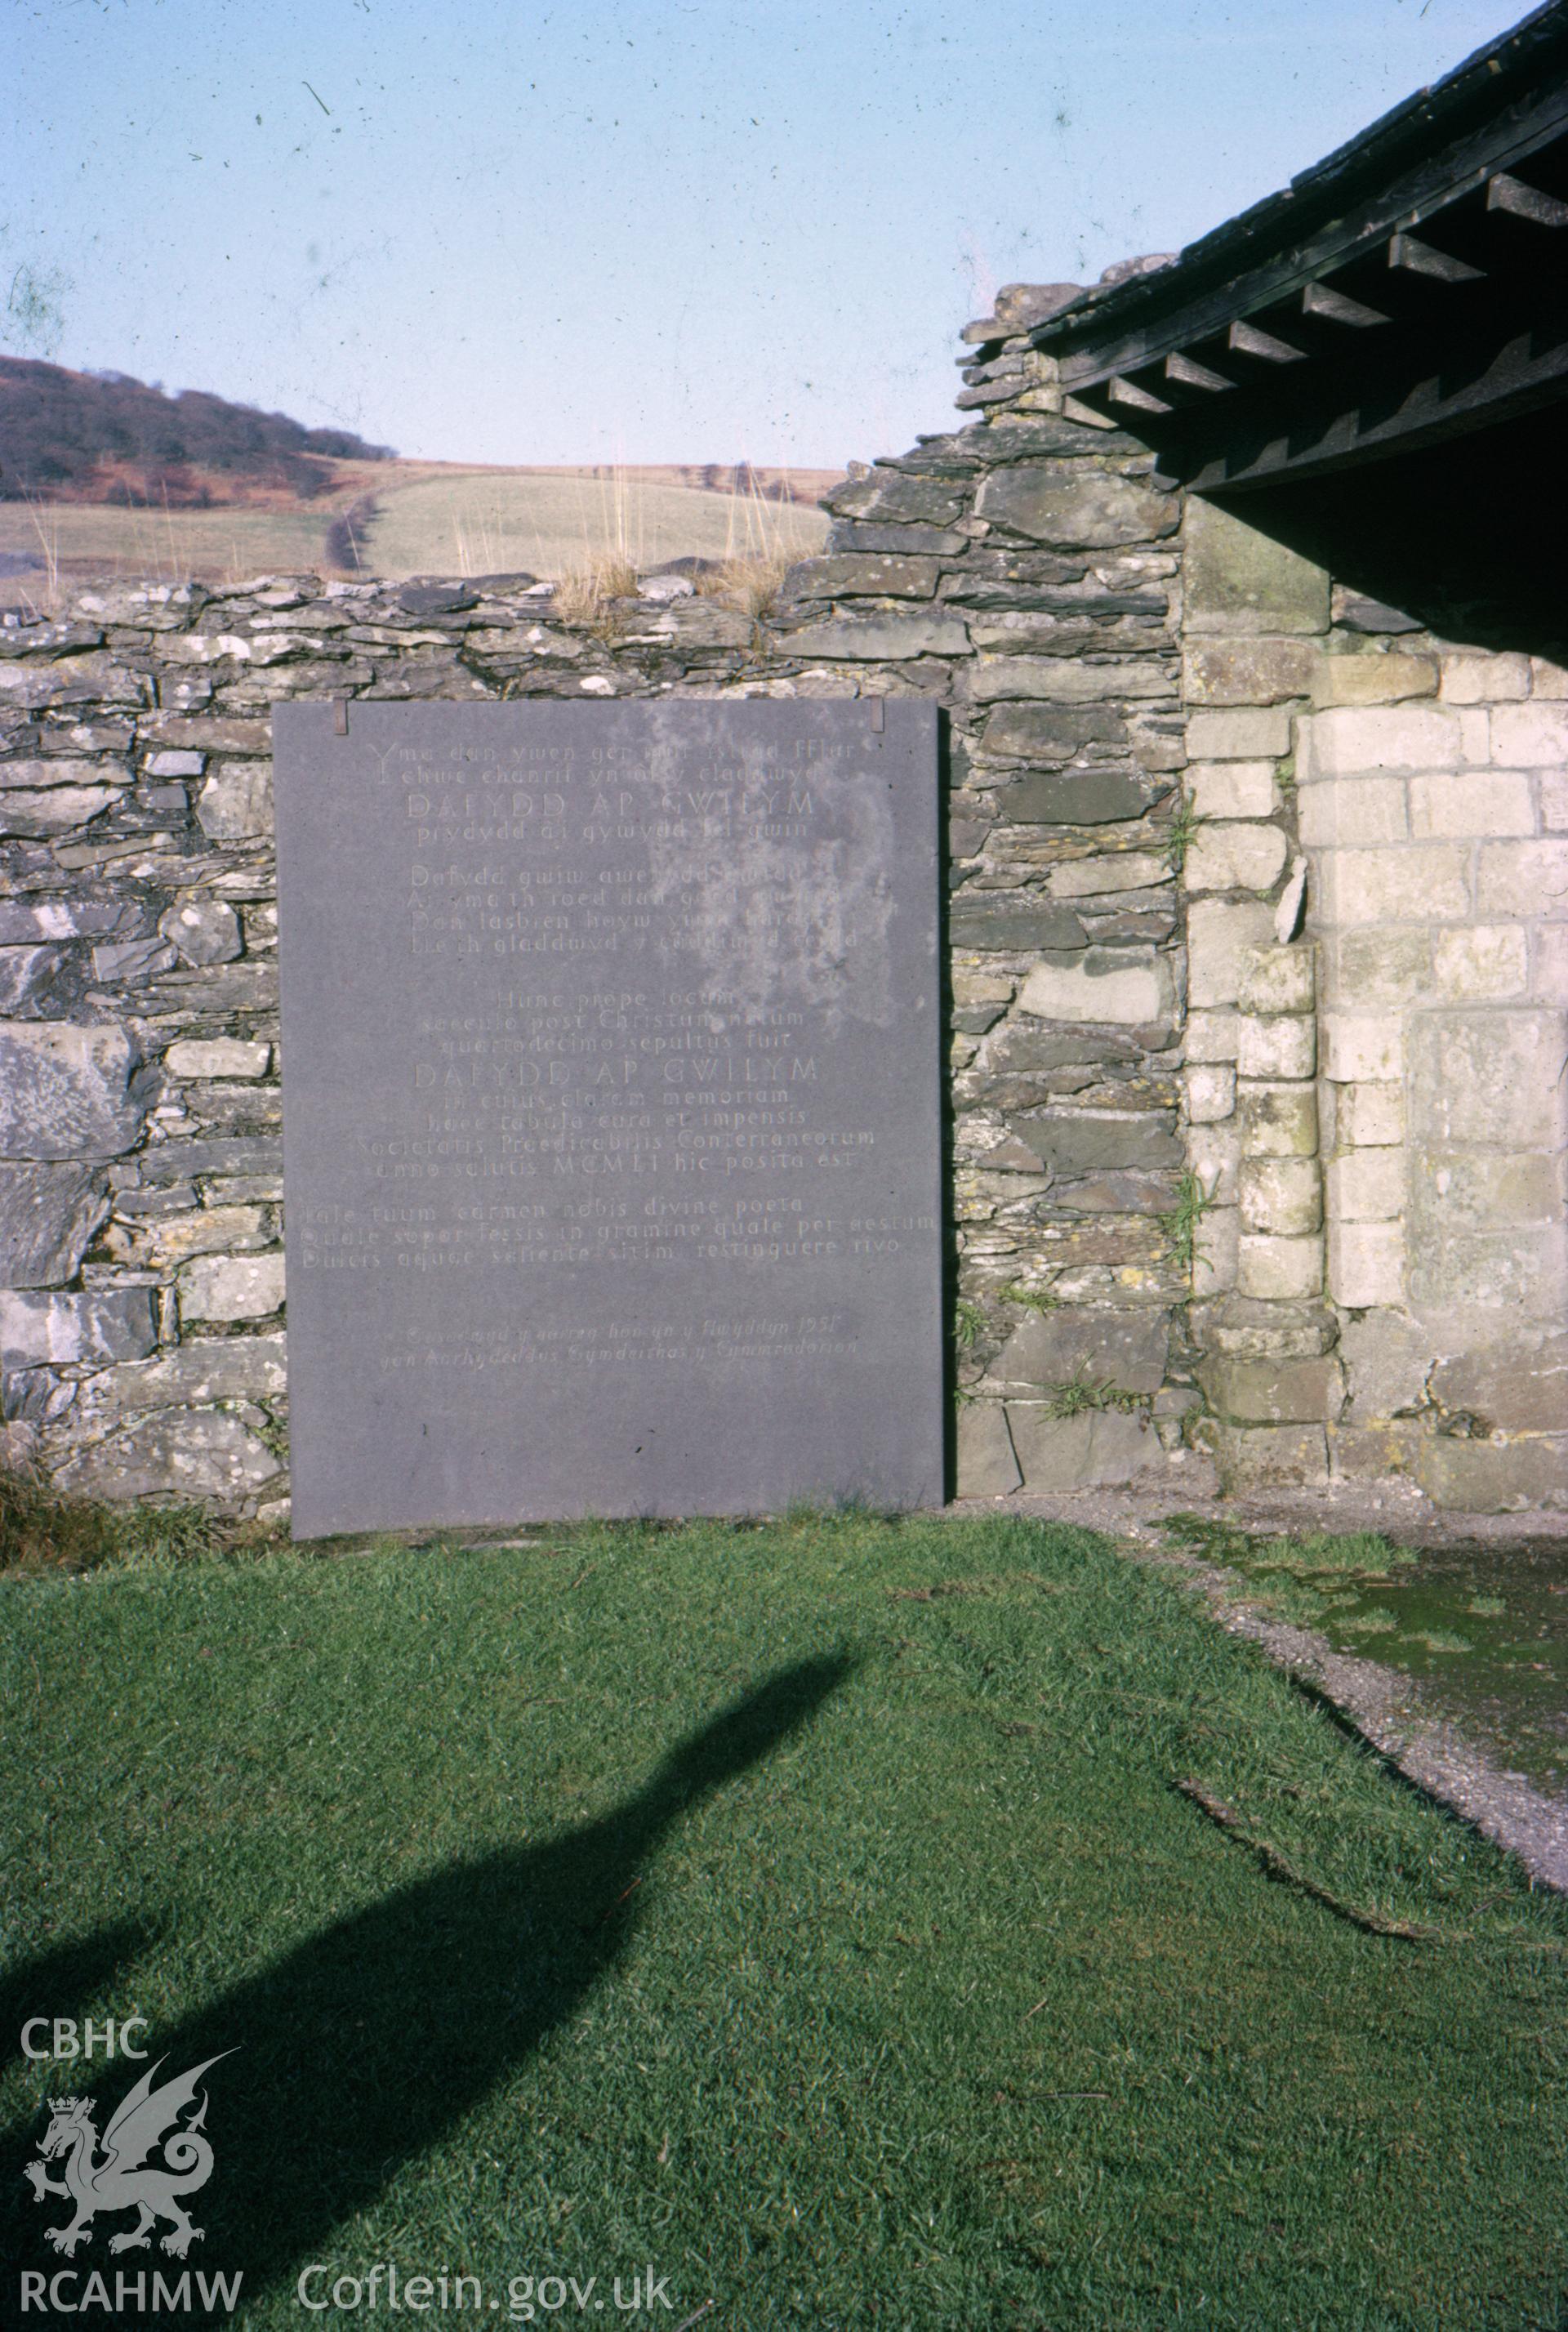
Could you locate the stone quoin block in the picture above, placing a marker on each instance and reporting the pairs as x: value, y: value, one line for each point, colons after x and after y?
x: 1370, y: 1116
x: 1214, y: 1156
x: 1372, y: 679
x: 1212, y: 1035
x: 1278, y: 1121
x: 1249, y: 734
x: 1238, y: 580
x: 1275, y: 1392
x: 1250, y: 1328
x: 1280, y: 980
x: 1366, y: 1264
x: 1356, y: 812
x: 1549, y: 964
x: 987, y: 1465
x: 1210, y: 1091
x: 1366, y: 1186
x: 1277, y: 1045
x: 1362, y: 1047
x: 1231, y: 789
x: 1221, y: 936
x: 1282, y: 1196
x: 1250, y: 672
x: 1281, y: 1269
x: 1234, y: 856
x: 1072, y: 504
x: 1215, y: 1246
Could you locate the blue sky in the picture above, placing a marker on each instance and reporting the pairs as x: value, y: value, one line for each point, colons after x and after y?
x: 652, y: 230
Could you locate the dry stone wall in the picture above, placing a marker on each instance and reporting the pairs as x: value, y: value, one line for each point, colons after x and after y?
x: 1023, y: 571
x: 1257, y: 972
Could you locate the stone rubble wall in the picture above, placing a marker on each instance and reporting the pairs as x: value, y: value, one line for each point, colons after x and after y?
x: 1024, y: 572
x: 1257, y: 972
x: 1375, y: 1091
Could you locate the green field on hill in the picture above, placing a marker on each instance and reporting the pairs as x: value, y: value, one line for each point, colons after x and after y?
x: 414, y: 520
x: 494, y: 521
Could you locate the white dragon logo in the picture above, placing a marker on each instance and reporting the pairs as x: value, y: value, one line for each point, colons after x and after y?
x: 121, y: 2178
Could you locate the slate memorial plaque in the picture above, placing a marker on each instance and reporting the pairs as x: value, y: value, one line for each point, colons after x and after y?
x: 611, y: 1106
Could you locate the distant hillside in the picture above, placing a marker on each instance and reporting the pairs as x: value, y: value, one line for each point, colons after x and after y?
x: 103, y: 437
x: 768, y: 483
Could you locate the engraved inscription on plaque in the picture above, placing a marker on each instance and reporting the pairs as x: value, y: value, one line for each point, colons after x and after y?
x: 611, y: 1109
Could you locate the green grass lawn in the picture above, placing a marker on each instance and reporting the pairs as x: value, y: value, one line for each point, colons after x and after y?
x: 807, y: 1911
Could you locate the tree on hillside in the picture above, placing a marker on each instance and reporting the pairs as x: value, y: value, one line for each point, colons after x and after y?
x: 62, y: 433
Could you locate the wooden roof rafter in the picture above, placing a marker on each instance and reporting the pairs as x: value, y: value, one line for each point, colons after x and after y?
x: 1367, y: 309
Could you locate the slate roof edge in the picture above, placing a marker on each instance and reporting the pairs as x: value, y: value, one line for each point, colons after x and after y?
x: 1420, y: 125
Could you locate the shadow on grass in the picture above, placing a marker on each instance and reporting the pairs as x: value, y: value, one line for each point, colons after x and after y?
x: 365, y: 2046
